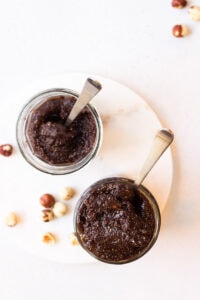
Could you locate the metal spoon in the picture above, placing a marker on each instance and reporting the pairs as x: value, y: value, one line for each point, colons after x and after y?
x: 162, y: 140
x: 90, y: 89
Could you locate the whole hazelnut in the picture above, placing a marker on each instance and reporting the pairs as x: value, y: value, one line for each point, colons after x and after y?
x: 67, y: 193
x: 59, y: 209
x: 179, y: 31
x: 179, y: 3
x: 47, y: 215
x: 73, y: 239
x: 11, y: 219
x: 194, y: 12
x: 47, y: 200
x: 6, y: 149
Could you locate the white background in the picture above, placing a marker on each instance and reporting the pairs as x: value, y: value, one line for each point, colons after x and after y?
x: 129, y: 41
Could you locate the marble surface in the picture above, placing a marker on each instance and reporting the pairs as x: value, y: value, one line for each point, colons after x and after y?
x: 130, y: 42
x: 128, y: 129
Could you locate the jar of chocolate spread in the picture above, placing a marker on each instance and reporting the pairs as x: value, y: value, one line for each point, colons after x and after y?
x: 116, y: 222
x: 47, y: 143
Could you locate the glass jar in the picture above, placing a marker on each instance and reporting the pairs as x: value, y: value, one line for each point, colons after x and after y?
x: 116, y: 222
x: 24, y: 141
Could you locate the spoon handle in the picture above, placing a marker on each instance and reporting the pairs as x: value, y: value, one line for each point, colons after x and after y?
x: 161, y: 142
x: 90, y: 89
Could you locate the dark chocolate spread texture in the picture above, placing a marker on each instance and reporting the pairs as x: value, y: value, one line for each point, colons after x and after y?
x: 51, y: 140
x: 115, y: 222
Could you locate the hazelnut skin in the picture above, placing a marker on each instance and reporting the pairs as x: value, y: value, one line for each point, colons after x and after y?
x: 179, y: 31
x: 179, y: 3
x: 6, y: 149
x: 47, y: 215
x: 47, y: 200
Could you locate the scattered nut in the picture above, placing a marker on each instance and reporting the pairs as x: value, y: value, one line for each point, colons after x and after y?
x: 6, y: 149
x: 179, y: 3
x: 48, y: 238
x: 67, y: 193
x: 47, y: 200
x: 11, y: 219
x: 73, y: 239
x: 59, y: 209
x: 47, y: 215
x: 194, y: 13
x: 179, y: 31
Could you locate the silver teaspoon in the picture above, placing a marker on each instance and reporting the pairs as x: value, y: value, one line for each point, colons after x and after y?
x: 90, y: 89
x: 162, y: 140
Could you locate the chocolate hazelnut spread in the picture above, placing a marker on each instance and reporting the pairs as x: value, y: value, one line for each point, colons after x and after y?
x: 115, y: 222
x: 54, y: 142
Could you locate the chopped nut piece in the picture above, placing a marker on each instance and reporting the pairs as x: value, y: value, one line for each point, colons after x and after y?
x: 47, y: 200
x: 194, y: 13
x: 73, y: 239
x: 67, y: 193
x: 47, y: 215
x: 11, y: 219
x: 6, y: 149
x: 48, y: 238
x: 59, y: 209
x: 179, y: 31
x: 179, y: 3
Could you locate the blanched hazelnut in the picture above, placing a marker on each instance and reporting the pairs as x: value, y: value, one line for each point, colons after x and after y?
x: 11, y: 219
x: 194, y: 12
x: 48, y: 238
x: 59, y: 209
x: 47, y: 215
x: 47, y: 200
x: 179, y: 3
x: 179, y: 31
x: 73, y: 239
x: 67, y: 193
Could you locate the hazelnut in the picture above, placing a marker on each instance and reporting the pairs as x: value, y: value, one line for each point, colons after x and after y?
x: 179, y: 31
x: 73, y: 239
x: 67, y: 193
x: 6, y: 149
x: 48, y: 238
x: 179, y: 3
x: 194, y: 13
x: 47, y: 200
x: 47, y: 215
x: 11, y: 219
x: 59, y: 209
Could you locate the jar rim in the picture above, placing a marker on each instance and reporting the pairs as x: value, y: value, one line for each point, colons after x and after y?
x: 25, y: 150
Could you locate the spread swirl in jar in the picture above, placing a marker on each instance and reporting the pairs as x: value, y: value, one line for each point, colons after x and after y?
x: 54, y: 142
x: 116, y: 222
